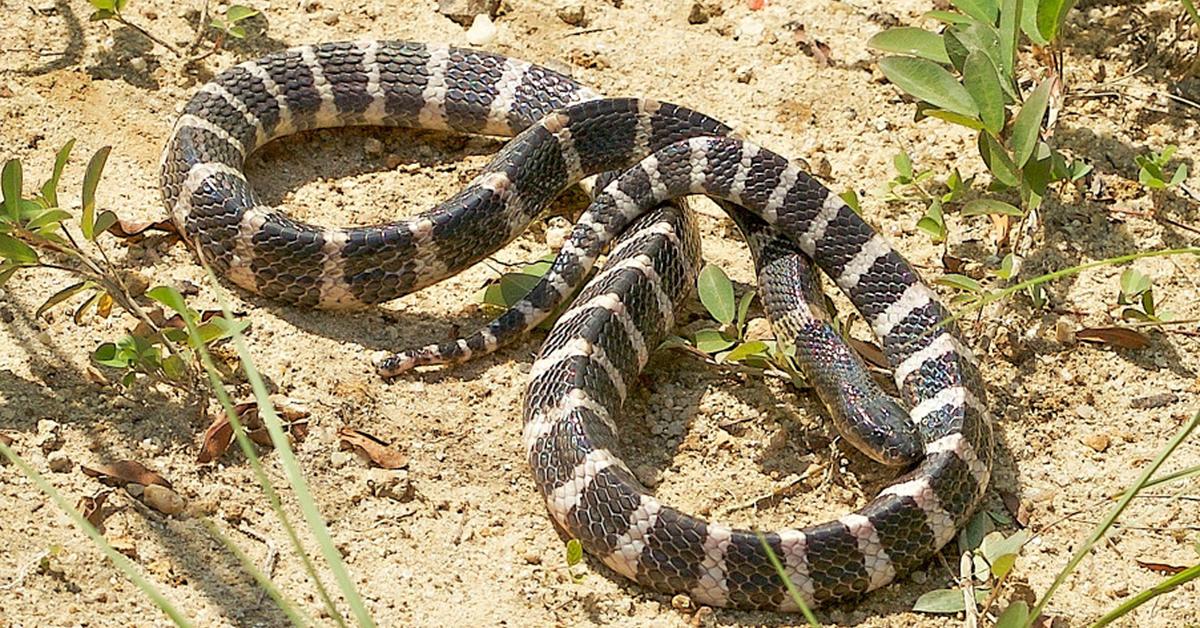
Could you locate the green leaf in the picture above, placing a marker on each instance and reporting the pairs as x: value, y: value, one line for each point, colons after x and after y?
x: 62, y: 295
x: 983, y: 83
x: 746, y: 350
x: 903, y: 165
x: 10, y: 183
x: 237, y: 32
x: 1079, y: 169
x: 1051, y: 15
x: 17, y: 251
x: 911, y: 41
x: 7, y: 270
x: 105, y: 220
x: 1134, y: 283
x: 985, y: 206
x: 1001, y: 552
x: 48, y: 217
x: 1179, y: 176
x: 744, y: 310
x: 716, y: 293
x: 91, y: 178
x: 171, y: 298
x: 947, y: 17
x: 107, y: 354
x: 934, y: 223
x: 960, y: 282
x: 950, y: 116
x: 1007, y: 265
x: 1015, y: 616
x: 50, y: 188
x: 998, y: 162
x: 101, y: 15
x: 850, y: 197
x: 512, y: 287
x: 237, y: 13
x: 174, y: 367
x: 574, y: 552
x: 1010, y: 33
x: 103, y: 5
x: 982, y: 10
x: 712, y: 341
x: 930, y: 82
x: 1028, y: 123
x: 941, y: 602
x: 1029, y: 12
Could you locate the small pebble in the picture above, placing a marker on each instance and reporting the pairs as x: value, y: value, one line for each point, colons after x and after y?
x: 138, y: 64
x: 1154, y: 401
x: 1085, y: 411
x: 134, y: 489
x: 163, y: 500
x: 532, y: 557
x: 464, y: 11
x: 331, y: 18
x: 682, y: 602
x: 699, y: 14
x: 59, y: 462
x: 744, y: 73
x: 881, y: 124
x: 750, y: 30
x: 572, y: 13
x: 340, y: 458
x: 482, y: 31
x: 647, y: 475
x: 1064, y: 331
x: 373, y: 147
x: 1098, y: 442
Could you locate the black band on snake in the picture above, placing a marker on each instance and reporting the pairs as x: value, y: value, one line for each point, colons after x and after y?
x: 594, y: 353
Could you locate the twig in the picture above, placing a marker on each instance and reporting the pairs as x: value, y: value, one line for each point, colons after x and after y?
x: 272, y: 553
x: 1155, y: 217
x: 585, y: 31
x: 119, y: 18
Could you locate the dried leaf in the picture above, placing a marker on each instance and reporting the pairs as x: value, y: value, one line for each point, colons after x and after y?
x: 953, y: 264
x: 869, y: 352
x: 92, y: 506
x: 1161, y: 569
x: 1122, y: 337
x: 219, y: 434
x: 1012, y: 503
x: 133, y: 228
x: 378, y: 451
x: 216, y: 440
x: 123, y: 472
x: 6, y: 439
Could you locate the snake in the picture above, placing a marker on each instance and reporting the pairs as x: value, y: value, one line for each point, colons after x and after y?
x: 563, y: 132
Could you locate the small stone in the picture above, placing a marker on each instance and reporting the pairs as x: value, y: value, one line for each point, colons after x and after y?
x: 557, y: 236
x: 5, y: 91
x: 705, y: 617
x: 138, y: 64
x: 744, y: 73
x: 59, y: 462
x: 482, y: 31
x: 49, y: 436
x: 750, y: 30
x: 340, y: 458
x: 331, y: 18
x: 881, y: 124
x: 699, y: 14
x: 1154, y: 401
x: 532, y: 557
x: 134, y: 489
x: 163, y: 500
x: 572, y: 13
x: 1098, y: 441
x: 1085, y: 411
x: 393, y: 485
x: 647, y: 475
x: 464, y: 11
x: 682, y: 602
x: 312, y: 6
x: 373, y: 147
x: 919, y: 577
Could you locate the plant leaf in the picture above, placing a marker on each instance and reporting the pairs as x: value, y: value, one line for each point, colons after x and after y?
x: 1122, y: 337
x: 959, y: 282
x: 998, y: 162
x: 716, y: 293
x: 746, y: 350
x: 1051, y: 15
x: 1015, y: 616
x: 50, y: 188
x: 711, y: 341
x: 983, y: 83
x: 237, y: 13
x: 985, y: 206
x: 574, y: 552
x: 1010, y: 32
x: 17, y: 251
x: 911, y: 41
x: 10, y: 183
x: 941, y: 602
x: 982, y: 10
x: 1028, y: 123
x: 947, y: 17
x: 60, y: 296
x: 171, y: 298
x: 930, y: 82
x: 104, y: 221
x: 91, y: 178
x: 1029, y: 13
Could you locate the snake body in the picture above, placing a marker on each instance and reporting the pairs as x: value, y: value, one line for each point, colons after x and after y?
x: 595, y: 351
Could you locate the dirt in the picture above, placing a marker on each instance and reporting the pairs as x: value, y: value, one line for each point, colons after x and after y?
x: 472, y: 544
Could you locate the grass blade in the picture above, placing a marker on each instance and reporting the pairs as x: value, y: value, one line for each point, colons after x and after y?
x: 289, y: 607
x: 113, y: 555
x: 1166, y: 586
x: 1108, y: 520
x: 787, y: 582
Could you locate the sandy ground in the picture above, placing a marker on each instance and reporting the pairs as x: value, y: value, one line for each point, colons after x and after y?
x: 474, y: 545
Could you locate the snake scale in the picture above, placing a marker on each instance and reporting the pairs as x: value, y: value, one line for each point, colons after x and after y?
x: 592, y: 356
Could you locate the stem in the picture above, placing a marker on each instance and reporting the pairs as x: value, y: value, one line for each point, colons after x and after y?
x: 120, y: 18
x: 1166, y: 586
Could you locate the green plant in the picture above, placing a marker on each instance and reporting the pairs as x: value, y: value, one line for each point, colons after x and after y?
x: 36, y: 232
x: 1137, y: 293
x: 989, y: 557
x: 727, y: 343
x: 965, y: 75
x: 230, y: 23
x: 1152, y: 170
x: 575, y: 566
x: 106, y: 10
